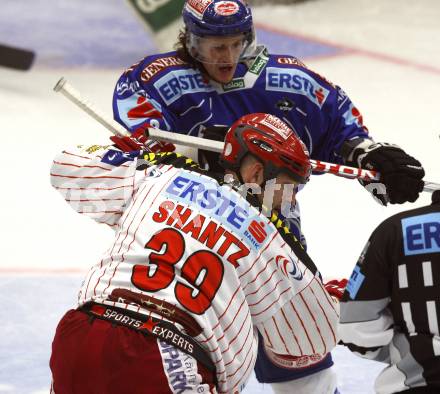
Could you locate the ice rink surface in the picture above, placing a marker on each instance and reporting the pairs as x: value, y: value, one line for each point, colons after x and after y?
x: 385, y: 54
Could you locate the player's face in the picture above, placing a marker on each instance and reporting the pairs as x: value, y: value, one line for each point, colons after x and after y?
x: 284, y: 192
x: 278, y: 193
x: 220, y: 55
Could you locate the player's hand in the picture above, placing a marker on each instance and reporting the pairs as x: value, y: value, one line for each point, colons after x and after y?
x: 139, y: 141
x: 401, y: 174
x: 336, y: 287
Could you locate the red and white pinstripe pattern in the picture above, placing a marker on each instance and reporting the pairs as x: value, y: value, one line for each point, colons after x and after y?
x: 305, y: 325
x: 295, y: 316
x: 91, y: 187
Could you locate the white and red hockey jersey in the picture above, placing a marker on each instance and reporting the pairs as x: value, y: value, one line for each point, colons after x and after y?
x: 188, y: 239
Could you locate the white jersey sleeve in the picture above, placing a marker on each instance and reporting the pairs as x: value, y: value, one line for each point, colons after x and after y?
x: 305, y: 325
x: 90, y: 182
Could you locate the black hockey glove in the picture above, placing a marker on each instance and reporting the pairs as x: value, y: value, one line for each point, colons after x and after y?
x: 400, y: 173
x: 210, y: 160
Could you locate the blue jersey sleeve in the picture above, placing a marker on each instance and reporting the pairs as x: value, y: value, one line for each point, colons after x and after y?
x: 320, y: 113
x: 135, y: 100
x: 348, y: 123
x: 345, y: 122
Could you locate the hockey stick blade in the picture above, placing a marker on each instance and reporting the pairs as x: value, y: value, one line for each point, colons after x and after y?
x: 74, y: 95
x: 16, y: 58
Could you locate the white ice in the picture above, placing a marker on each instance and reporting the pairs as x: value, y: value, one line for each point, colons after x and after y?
x: 390, y: 69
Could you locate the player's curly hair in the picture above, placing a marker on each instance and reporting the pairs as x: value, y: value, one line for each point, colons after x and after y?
x: 183, y: 52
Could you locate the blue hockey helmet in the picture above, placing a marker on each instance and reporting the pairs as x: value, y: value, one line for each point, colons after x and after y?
x: 206, y: 19
x: 217, y: 17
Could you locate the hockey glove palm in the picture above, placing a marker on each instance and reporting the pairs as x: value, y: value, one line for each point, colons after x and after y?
x: 401, y: 174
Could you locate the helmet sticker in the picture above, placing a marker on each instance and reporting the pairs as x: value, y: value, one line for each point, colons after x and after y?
x: 226, y: 8
x: 228, y: 149
x: 277, y: 125
x: 198, y: 7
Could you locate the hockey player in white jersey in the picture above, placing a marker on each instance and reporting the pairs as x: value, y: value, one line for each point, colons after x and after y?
x: 198, y: 266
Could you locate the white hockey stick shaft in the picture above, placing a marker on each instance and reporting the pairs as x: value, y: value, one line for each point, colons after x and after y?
x: 74, y: 95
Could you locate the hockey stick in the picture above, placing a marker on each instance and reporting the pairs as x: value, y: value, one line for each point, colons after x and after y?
x: 16, y: 58
x: 73, y: 95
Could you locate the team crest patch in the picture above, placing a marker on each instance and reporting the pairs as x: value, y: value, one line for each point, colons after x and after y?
x: 226, y: 8
x: 288, y: 267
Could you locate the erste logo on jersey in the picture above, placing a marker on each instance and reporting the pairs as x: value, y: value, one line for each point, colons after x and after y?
x: 277, y: 125
x: 421, y: 234
x: 220, y: 203
x: 296, y: 81
x: 353, y: 116
x: 177, y: 83
x: 288, y: 267
x: 226, y: 8
x: 197, y: 7
x: 158, y: 65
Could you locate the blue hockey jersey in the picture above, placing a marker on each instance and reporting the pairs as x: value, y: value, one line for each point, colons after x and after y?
x: 169, y: 94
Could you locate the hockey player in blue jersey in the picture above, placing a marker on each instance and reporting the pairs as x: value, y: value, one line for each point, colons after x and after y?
x: 216, y: 75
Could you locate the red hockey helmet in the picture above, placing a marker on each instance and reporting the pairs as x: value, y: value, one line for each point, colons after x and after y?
x: 270, y: 140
